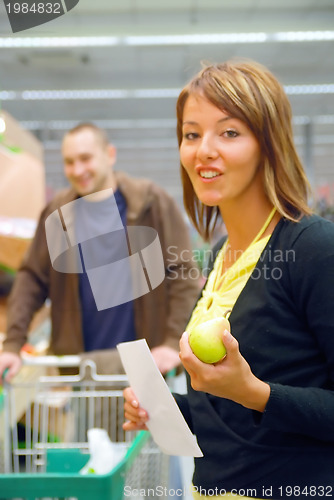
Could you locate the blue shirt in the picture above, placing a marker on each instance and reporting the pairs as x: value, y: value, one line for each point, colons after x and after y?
x: 103, y: 328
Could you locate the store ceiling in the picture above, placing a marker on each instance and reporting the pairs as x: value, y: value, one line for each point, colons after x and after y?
x: 148, y: 71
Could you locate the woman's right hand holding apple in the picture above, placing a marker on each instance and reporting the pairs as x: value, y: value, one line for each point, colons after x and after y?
x: 230, y: 378
x: 135, y: 415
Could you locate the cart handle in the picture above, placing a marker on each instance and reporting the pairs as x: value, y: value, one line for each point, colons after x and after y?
x: 59, y: 361
x: 72, y: 361
x: 68, y: 361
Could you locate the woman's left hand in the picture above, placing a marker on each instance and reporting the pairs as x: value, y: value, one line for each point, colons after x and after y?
x: 230, y: 378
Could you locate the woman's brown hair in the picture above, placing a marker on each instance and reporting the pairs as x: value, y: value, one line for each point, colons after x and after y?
x: 249, y: 92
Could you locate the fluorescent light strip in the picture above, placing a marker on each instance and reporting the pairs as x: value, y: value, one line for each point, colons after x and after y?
x: 52, y: 42
x: 304, y: 36
x: 107, y: 94
x: 157, y: 143
x: 7, y: 95
x: 317, y: 119
x: 160, y: 123
x: 57, y: 95
x: 190, y: 39
x: 309, y: 89
x: 302, y: 120
x: 196, y: 39
x: 106, y: 124
x: 324, y: 119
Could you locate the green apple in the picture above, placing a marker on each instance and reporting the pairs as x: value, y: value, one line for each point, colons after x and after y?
x: 206, y: 342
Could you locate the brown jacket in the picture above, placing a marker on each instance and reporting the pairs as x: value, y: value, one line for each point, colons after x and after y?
x: 160, y: 315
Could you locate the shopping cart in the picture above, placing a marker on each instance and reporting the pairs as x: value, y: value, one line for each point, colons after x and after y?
x: 45, y: 451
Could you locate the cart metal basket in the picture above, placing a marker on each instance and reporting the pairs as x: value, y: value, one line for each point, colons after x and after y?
x: 45, y: 451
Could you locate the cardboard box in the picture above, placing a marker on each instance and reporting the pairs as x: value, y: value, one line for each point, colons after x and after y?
x: 16, y: 136
x: 22, y: 190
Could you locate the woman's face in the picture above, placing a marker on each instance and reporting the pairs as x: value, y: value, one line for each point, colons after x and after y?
x: 220, y: 154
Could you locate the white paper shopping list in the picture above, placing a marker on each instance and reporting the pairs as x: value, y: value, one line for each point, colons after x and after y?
x: 166, y: 423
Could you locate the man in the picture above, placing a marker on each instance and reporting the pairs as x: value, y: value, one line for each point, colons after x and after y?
x: 82, y: 321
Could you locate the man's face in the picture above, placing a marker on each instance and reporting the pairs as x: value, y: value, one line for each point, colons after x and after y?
x: 88, y: 162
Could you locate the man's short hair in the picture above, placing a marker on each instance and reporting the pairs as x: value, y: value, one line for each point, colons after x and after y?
x: 100, y: 134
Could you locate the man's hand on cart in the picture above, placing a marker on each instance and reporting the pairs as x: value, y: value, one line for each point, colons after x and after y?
x: 166, y: 358
x: 10, y: 364
x: 135, y: 415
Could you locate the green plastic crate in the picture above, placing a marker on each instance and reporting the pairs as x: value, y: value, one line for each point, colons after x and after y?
x: 62, y: 478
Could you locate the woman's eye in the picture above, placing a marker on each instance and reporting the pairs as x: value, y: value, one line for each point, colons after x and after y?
x: 190, y: 136
x: 231, y: 133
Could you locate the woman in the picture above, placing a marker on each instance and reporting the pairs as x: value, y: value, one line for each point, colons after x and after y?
x: 264, y: 415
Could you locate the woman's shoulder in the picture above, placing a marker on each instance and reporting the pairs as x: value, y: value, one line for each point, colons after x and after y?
x: 310, y: 233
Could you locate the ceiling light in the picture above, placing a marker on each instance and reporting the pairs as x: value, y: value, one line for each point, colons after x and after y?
x: 153, y: 93
x: 303, y: 36
x: 91, y: 94
x: 196, y: 39
x: 324, y: 119
x: 56, y: 95
x: 309, y: 89
x: 182, y: 39
x: 105, y: 124
x: 301, y: 120
x: 52, y: 42
x: 7, y: 95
